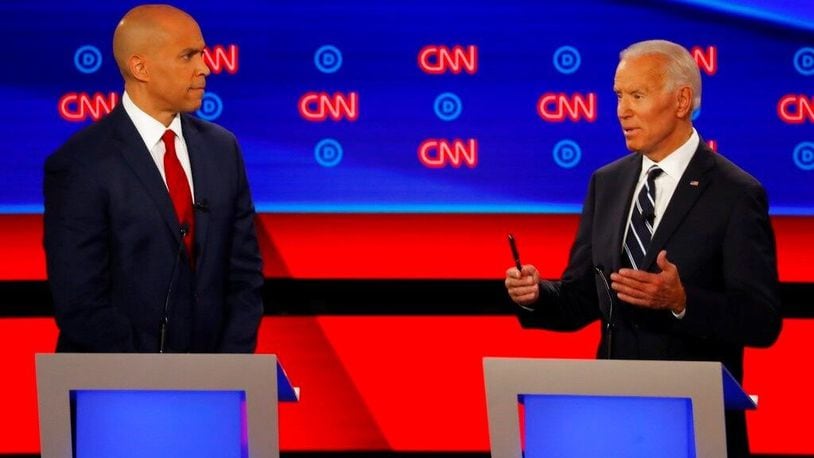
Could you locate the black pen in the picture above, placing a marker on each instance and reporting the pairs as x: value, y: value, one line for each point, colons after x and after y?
x: 515, y: 254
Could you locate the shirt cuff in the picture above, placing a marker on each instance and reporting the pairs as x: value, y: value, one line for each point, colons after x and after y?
x: 527, y: 308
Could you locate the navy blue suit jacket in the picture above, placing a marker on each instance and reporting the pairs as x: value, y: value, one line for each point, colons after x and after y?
x: 716, y: 230
x: 111, y: 239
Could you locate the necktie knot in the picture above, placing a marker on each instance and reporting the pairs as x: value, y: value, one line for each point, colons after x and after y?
x: 169, y: 140
x: 649, y: 210
x: 652, y: 173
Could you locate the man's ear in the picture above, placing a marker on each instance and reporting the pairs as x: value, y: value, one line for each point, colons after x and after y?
x: 138, y: 68
x: 684, y: 98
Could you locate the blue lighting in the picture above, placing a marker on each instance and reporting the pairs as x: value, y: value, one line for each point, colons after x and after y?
x: 608, y: 426
x: 159, y: 424
x: 792, y: 13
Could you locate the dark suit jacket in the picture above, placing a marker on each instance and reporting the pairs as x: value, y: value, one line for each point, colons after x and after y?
x: 111, y: 239
x: 716, y: 230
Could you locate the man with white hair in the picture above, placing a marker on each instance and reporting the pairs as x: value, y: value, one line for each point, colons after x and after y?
x: 675, y: 252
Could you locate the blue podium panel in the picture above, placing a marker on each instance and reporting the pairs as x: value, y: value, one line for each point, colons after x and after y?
x: 566, y: 426
x: 159, y: 424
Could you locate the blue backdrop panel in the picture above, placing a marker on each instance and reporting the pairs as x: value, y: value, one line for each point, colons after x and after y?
x: 608, y: 426
x: 159, y: 424
x: 356, y: 106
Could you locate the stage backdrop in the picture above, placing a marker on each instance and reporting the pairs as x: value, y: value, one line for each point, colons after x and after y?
x: 403, y: 140
x: 348, y: 111
x: 425, y: 106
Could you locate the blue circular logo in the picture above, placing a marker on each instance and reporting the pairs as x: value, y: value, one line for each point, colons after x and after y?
x: 328, y: 59
x: 804, y: 155
x: 211, y: 107
x: 87, y: 59
x: 448, y: 106
x: 328, y: 152
x: 804, y: 61
x: 567, y: 59
x: 567, y: 154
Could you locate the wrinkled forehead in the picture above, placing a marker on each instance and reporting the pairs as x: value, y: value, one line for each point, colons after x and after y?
x: 645, y: 71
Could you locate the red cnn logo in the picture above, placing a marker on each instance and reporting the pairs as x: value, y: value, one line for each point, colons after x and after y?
x: 795, y: 109
x: 219, y: 58
x: 707, y: 59
x: 557, y: 106
x: 79, y: 106
x: 319, y: 106
x: 437, y: 153
x: 435, y: 59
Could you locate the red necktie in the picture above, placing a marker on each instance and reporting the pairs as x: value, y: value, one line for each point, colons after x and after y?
x: 179, y: 192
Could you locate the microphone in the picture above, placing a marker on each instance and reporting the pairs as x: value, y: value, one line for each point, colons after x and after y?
x: 606, y: 305
x: 184, y: 230
x: 202, y: 206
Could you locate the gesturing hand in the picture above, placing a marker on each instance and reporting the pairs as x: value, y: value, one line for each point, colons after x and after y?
x: 661, y: 290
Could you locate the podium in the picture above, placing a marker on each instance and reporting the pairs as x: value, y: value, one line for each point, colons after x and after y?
x: 91, y: 404
x: 574, y: 402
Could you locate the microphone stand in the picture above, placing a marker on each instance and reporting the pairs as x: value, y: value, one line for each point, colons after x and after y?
x: 165, y: 313
x: 610, y: 302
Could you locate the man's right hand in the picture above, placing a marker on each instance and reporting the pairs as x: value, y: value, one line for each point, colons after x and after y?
x: 523, y: 286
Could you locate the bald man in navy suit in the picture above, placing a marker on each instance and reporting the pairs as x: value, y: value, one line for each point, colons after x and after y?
x: 149, y: 223
x: 675, y: 252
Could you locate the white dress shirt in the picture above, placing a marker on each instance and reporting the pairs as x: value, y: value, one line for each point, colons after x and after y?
x: 673, y: 167
x: 151, y: 131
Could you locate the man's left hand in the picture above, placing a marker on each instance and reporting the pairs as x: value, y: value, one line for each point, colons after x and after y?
x: 659, y: 291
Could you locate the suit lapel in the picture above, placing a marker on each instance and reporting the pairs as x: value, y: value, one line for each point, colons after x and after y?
x: 630, y: 175
x: 690, y: 187
x: 202, y: 181
x: 615, y: 207
x: 138, y: 158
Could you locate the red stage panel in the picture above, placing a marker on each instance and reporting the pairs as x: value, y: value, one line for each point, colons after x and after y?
x: 414, y: 246
x: 782, y: 378
x: 402, y: 246
x: 415, y: 383
x: 422, y: 377
x: 20, y: 339
x: 21, y: 244
x: 332, y: 412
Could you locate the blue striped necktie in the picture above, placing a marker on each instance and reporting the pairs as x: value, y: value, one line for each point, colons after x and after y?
x: 640, y: 227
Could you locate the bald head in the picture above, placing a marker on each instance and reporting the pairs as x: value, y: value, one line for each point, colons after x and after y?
x: 160, y: 53
x: 144, y: 30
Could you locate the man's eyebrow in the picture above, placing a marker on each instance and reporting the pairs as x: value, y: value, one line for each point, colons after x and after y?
x: 192, y: 50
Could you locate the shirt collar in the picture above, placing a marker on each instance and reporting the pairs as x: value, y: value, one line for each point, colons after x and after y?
x: 676, y: 162
x: 148, y: 127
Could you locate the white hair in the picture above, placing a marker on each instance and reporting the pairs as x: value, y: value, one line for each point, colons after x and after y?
x: 681, y: 68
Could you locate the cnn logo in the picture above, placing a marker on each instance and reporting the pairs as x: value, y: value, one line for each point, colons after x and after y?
x: 438, y: 59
